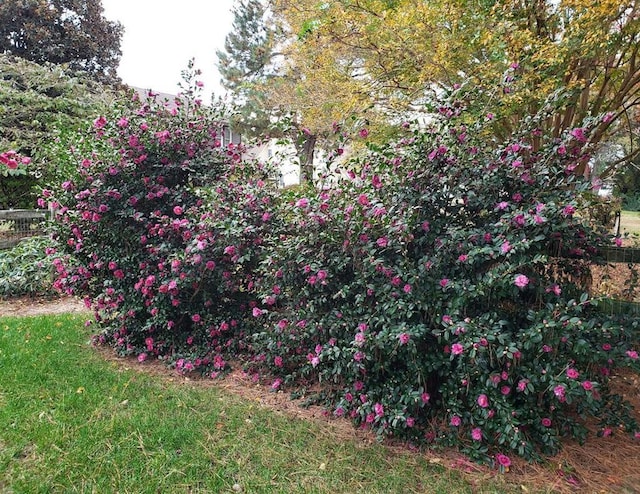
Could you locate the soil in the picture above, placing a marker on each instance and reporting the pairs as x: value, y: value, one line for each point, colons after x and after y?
x: 610, y: 464
x: 35, y: 306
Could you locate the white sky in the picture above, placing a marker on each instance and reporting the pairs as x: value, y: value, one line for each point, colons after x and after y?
x: 161, y: 37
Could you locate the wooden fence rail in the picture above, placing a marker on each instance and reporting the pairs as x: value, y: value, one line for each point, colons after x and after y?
x: 17, y: 224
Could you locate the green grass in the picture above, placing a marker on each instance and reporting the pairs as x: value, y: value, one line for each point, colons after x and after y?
x: 71, y: 421
x: 630, y: 224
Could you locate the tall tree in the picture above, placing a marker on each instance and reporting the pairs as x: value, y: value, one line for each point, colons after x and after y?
x: 390, y: 55
x: 38, y: 106
x: 72, y: 32
x: 252, y: 62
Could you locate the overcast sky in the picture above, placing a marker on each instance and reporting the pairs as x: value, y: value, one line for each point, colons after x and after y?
x: 160, y: 37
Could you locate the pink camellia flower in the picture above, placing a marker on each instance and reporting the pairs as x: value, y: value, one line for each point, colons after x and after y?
x: 363, y: 133
x: 587, y: 385
x: 505, y: 247
x: 196, y: 318
x: 559, y: 391
x: 505, y: 390
x: 363, y: 200
x: 99, y: 122
x: 483, y: 401
x: 476, y: 434
x: 444, y: 282
x: 382, y: 242
x: 546, y: 422
x: 277, y: 361
x: 572, y: 373
x: 503, y: 460
x: 555, y: 289
x: 177, y: 210
x: 632, y: 354
x: 411, y: 421
x: 142, y: 357
x: 521, y: 281
x: 256, y: 312
x: 302, y: 203
x: 123, y: 122
x: 406, y: 288
x: 455, y: 421
x: 379, y: 409
x: 502, y: 205
x: 457, y: 349
x: 404, y: 338
x: 462, y: 257
x: 568, y: 210
x: 276, y: 384
x: 579, y: 134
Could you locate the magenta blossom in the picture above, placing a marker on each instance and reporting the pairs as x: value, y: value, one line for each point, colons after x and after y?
x: 404, y: 338
x: 483, y: 401
x: 503, y: 461
x: 521, y: 281
x: 476, y: 434
x: 457, y: 349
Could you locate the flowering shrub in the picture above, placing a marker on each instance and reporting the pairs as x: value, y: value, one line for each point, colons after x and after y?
x: 437, y: 287
x: 12, y: 160
x: 167, y: 272
x: 439, y: 291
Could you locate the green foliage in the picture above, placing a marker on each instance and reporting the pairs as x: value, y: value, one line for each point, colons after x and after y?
x: 62, y: 32
x: 38, y: 106
x: 27, y: 269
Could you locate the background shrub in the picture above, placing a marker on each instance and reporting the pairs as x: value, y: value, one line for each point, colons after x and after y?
x: 27, y: 269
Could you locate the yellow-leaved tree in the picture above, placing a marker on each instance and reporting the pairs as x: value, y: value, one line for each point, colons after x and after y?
x: 384, y: 59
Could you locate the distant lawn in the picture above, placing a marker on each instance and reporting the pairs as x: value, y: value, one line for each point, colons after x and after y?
x: 630, y: 223
x: 72, y: 422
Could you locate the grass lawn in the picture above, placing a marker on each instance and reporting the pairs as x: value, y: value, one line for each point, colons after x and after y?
x: 71, y: 421
x: 630, y: 223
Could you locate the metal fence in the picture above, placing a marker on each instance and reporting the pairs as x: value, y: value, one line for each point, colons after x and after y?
x: 18, y: 224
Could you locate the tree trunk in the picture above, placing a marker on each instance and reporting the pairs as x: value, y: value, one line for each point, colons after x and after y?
x: 305, y: 155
